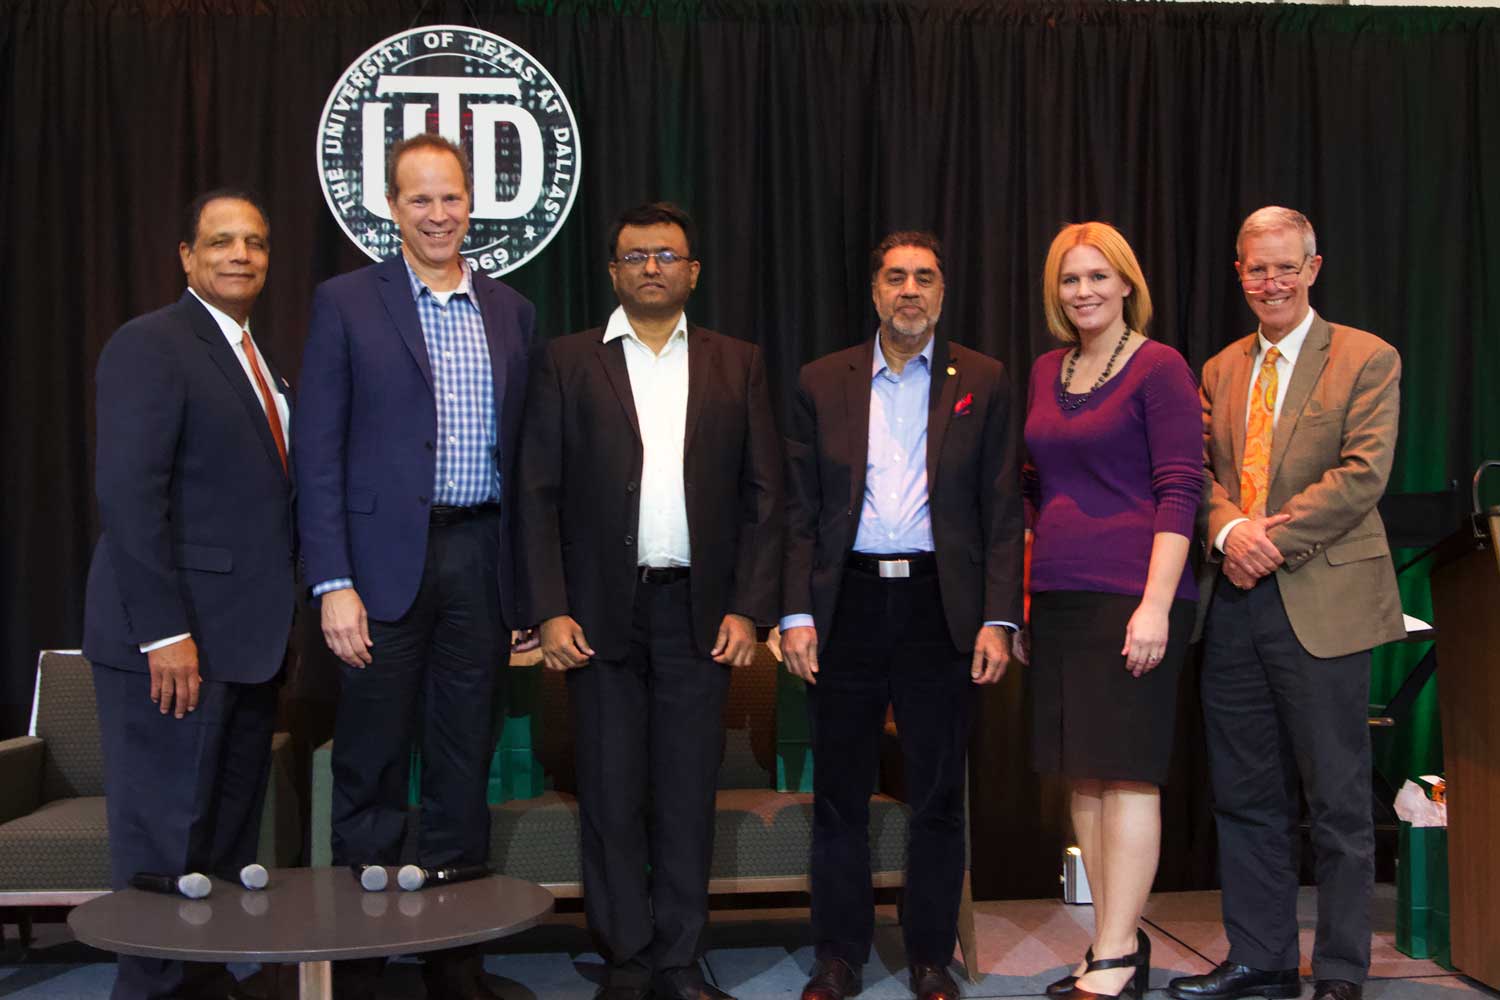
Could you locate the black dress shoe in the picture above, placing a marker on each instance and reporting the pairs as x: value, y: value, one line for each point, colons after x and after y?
x: 456, y: 974
x: 608, y: 992
x: 1135, y: 987
x: 1066, y: 983
x: 1230, y: 980
x: 832, y: 979
x: 685, y: 984
x: 932, y: 982
x: 1338, y: 989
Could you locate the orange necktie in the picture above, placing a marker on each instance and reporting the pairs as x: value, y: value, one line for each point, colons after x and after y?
x: 1257, y: 464
x: 273, y: 416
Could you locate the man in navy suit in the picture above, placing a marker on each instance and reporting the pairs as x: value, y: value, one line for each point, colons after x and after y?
x: 191, y: 590
x: 416, y: 375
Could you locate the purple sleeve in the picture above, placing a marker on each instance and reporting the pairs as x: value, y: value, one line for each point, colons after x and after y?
x: 1174, y: 434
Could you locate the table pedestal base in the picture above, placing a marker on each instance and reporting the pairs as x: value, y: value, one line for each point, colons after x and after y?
x: 315, y: 980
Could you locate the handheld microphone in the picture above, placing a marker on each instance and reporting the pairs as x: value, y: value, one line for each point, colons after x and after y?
x: 254, y: 876
x: 372, y: 878
x: 192, y: 885
x: 412, y: 878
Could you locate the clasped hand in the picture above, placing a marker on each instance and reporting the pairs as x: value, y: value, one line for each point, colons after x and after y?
x: 1249, y: 553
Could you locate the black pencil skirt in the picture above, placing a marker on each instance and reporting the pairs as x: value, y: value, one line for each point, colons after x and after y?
x: 1089, y: 717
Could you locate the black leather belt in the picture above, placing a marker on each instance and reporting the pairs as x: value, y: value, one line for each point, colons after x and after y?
x: 663, y: 574
x: 444, y: 517
x: 894, y: 565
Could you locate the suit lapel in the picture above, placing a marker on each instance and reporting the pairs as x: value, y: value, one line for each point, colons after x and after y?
x: 1310, y: 362
x: 940, y: 397
x: 228, y: 363
x: 495, y: 332
x: 702, y: 362
x: 612, y: 357
x: 395, y: 292
x: 1239, y: 402
x: 857, y: 402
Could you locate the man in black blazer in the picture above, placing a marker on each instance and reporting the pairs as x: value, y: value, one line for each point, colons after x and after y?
x: 650, y: 523
x: 902, y: 586
x: 191, y: 589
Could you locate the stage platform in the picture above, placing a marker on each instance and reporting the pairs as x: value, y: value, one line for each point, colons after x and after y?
x: 764, y: 954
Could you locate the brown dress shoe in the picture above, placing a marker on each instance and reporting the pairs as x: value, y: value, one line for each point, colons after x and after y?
x: 832, y: 979
x: 1337, y: 989
x: 932, y: 982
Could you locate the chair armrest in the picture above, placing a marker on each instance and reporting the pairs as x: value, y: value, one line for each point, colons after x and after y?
x: 20, y: 776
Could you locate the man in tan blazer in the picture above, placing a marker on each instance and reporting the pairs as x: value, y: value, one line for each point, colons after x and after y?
x: 1299, y: 430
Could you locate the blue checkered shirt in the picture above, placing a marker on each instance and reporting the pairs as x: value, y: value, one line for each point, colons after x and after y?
x: 467, y: 467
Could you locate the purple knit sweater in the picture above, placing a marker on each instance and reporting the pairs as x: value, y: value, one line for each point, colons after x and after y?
x: 1104, y: 478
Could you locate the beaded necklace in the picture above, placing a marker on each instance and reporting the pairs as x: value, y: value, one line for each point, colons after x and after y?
x: 1069, y: 401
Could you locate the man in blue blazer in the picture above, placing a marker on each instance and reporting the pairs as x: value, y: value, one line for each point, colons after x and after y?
x: 191, y: 590
x: 415, y: 371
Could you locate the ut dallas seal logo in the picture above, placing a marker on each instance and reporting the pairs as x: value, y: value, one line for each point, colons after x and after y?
x: 484, y: 93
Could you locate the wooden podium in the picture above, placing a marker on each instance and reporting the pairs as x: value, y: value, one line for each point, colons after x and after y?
x: 1466, y: 607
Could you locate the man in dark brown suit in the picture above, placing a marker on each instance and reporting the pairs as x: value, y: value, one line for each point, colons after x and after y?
x: 902, y: 586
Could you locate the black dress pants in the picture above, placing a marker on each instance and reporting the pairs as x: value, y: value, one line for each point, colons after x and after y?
x: 433, y: 672
x: 890, y: 645
x: 1276, y: 714
x: 181, y: 795
x: 649, y: 732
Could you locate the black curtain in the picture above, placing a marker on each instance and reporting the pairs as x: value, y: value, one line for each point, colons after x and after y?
x: 797, y: 133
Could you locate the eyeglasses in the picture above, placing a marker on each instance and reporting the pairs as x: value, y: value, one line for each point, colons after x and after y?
x: 1281, y: 275
x: 664, y: 258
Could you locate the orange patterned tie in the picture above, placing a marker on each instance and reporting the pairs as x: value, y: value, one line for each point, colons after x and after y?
x: 1257, y: 464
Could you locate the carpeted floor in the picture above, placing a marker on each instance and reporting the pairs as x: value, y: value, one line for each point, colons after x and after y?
x: 1023, y: 945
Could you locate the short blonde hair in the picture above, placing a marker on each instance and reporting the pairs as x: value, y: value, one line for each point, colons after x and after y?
x: 1275, y: 219
x: 1108, y: 241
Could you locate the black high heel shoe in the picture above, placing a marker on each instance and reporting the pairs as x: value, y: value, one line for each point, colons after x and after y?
x: 1066, y: 983
x: 1138, y: 985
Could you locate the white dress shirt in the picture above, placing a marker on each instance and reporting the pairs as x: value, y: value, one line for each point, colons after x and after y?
x: 1289, y: 346
x: 234, y: 333
x: 659, y: 383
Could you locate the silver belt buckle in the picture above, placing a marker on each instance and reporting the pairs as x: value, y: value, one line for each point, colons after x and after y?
x: 895, y: 569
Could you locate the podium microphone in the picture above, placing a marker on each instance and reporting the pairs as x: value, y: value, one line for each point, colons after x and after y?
x: 411, y: 877
x: 372, y: 878
x: 192, y: 885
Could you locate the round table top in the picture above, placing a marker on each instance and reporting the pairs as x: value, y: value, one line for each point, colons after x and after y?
x: 308, y: 915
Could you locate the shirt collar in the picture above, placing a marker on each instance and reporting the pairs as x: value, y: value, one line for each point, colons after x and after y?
x: 228, y: 324
x: 878, y: 363
x: 619, y: 326
x: 1290, y: 345
x: 418, y: 286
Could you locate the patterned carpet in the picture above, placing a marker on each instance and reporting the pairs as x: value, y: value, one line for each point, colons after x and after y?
x: 1023, y: 945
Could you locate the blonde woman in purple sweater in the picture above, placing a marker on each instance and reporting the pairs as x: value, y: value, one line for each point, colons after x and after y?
x: 1113, y: 431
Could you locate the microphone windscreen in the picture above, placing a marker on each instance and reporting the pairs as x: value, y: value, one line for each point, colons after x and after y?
x: 373, y: 878
x: 411, y: 877
x: 194, y: 886
x: 254, y: 876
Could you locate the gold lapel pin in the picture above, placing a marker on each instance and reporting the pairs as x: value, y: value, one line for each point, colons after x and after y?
x: 952, y: 370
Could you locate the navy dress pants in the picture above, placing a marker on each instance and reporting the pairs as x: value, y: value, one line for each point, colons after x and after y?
x: 182, y: 795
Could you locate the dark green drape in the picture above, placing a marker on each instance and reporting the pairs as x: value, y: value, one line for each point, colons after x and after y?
x: 797, y: 133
